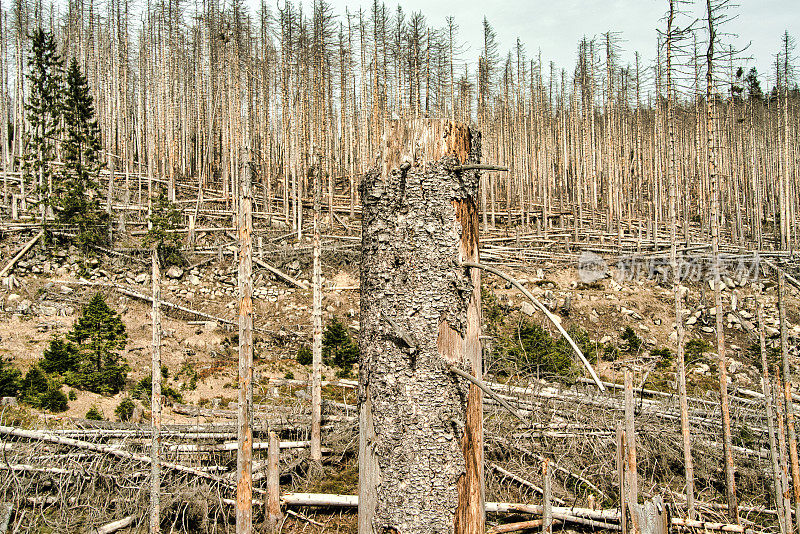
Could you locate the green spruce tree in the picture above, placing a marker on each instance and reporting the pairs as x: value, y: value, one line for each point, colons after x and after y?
x: 89, y: 358
x: 43, y: 110
x: 79, y: 197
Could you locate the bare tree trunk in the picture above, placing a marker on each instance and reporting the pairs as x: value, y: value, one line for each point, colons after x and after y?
x: 244, y: 457
x: 273, y: 483
x: 773, y: 448
x: 787, y: 393
x: 155, y: 403
x: 631, y: 479
x: 672, y: 177
x: 420, y: 446
x: 730, y: 482
x: 547, y: 513
x: 316, y: 365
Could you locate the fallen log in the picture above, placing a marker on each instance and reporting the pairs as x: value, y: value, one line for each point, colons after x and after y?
x: 575, y: 515
x: 106, y: 449
x: 114, y: 526
x: 706, y: 525
x: 280, y: 274
x: 141, y: 296
x: 515, y: 527
x: 23, y: 250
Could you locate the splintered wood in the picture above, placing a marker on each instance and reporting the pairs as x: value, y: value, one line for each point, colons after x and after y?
x: 420, y: 313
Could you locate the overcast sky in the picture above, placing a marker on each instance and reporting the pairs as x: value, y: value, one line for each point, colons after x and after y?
x: 556, y: 26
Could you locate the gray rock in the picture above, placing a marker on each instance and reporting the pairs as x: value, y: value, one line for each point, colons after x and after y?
x: 528, y: 309
x: 141, y: 278
x: 174, y: 272
x: 66, y: 290
x: 194, y: 280
x: 24, y: 306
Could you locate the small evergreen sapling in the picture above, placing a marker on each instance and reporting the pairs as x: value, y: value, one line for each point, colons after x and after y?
x: 88, y: 359
x: 338, y: 348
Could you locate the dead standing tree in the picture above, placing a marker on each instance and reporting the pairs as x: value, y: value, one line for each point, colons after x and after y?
x: 421, y: 434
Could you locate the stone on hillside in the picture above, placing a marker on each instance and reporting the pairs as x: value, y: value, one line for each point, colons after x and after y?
x: 528, y: 309
x: 141, y: 278
x: 66, y: 290
x: 194, y: 280
x: 174, y: 272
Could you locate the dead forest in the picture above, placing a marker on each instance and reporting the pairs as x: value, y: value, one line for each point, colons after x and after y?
x: 282, y: 269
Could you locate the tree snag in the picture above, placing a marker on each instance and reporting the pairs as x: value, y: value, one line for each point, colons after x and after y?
x: 244, y: 457
x: 421, y: 433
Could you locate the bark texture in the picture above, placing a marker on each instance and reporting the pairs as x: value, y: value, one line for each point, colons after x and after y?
x: 421, y: 460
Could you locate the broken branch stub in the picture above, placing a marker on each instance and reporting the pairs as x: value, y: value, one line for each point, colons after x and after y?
x: 421, y: 435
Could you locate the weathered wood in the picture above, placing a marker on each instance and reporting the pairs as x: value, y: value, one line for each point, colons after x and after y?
x: 155, y: 402
x: 631, y: 479
x: 516, y: 527
x: 244, y: 456
x: 620, y: 464
x: 114, y: 526
x: 316, y: 345
x: 6, y: 509
x: 420, y: 472
x: 273, y: 484
x: 547, y: 497
x: 787, y: 395
x: 706, y: 525
x: 20, y: 254
x: 280, y: 274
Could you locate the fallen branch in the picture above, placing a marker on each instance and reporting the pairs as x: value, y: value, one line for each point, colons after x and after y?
x: 111, y: 451
x: 547, y: 314
x: 488, y: 391
x: 514, y: 527
x: 280, y: 274
x: 114, y: 526
x: 584, y: 516
x: 524, y: 482
x: 23, y: 250
x: 706, y: 525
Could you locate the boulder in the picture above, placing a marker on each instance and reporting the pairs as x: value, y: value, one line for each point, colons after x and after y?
x: 174, y: 272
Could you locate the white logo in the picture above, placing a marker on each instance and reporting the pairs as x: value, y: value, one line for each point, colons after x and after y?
x: 591, y: 267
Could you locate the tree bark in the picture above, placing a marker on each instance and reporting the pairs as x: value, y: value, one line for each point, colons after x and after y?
x: 421, y: 435
x: 316, y: 364
x: 155, y: 403
x: 244, y: 457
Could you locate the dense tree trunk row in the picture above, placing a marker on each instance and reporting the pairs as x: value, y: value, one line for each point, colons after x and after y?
x: 179, y: 93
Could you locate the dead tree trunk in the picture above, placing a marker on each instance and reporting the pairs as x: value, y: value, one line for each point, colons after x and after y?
x: 316, y: 364
x: 421, y: 434
x: 273, y: 483
x: 155, y: 403
x: 787, y: 392
x: 244, y: 457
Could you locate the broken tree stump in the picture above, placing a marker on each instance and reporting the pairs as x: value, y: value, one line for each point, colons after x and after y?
x: 421, y: 434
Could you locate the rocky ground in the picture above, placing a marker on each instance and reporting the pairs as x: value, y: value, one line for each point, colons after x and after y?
x: 43, y: 295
